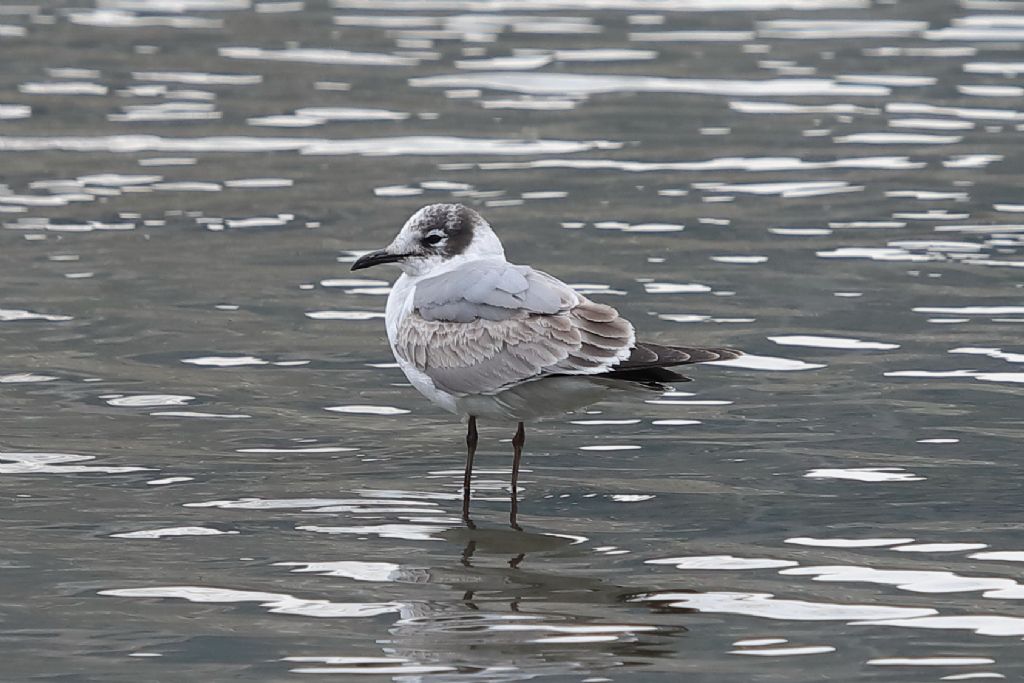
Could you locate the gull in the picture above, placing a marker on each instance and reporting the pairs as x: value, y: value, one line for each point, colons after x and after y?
x: 485, y: 338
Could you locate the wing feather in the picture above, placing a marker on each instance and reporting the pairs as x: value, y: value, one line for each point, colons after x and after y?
x: 490, y: 289
x: 489, y: 325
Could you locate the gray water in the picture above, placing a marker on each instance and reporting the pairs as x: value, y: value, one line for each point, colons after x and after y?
x: 212, y: 470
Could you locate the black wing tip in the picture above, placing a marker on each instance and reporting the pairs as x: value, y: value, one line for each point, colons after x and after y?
x: 727, y: 354
x: 645, y: 355
x: 650, y: 364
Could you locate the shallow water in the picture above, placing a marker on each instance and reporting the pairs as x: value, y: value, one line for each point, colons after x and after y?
x: 213, y: 471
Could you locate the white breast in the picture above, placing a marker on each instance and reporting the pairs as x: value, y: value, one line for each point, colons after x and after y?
x: 400, y: 305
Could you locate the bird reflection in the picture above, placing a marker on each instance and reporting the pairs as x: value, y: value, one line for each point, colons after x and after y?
x: 522, y: 596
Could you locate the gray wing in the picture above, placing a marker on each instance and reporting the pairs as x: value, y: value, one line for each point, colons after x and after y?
x: 492, y: 290
x: 490, y: 325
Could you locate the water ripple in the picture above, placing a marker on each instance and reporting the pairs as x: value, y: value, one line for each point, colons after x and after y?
x: 16, y: 315
x: 593, y: 84
x: 768, y: 606
x: 275, y: 603
x: 55, y: 463
x: 395, y: 146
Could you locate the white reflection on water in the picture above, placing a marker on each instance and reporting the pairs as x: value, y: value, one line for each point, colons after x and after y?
x: 164, y: 481
x: 759, y: 642
x: 1009, y: 69
x: 299, y: 450
x: 408, y: 532
x: 108, y: 18
x: 722, y: 562
x: 395, y: 146
x: 14, y: 315
x: 177, y: 6
x: 576, y: 633
x: 63, y: 88
x: 938, y: 547
x: 866, y: 474
x: 892, y: 80
x: 173, y: 531
x: 915, y: 580
x: 705, y: 36
x: 768, y: 606
x: 752, y: 164
x: 812, y: 188
x: 379, y: 572
x: 224, y: 361
x: 771, y: 363
x: 930, y: 661
x: 1000, y: 555
x: 54, y: 463
x: 15, y: 111
x: 593, y: 84
x: 976, y: 33
x: 167, y: 111
x: 971, y: 160
x: 960, y: 112
x: 897, y: 139
x: 197, y: 77
x: 345, y: 315
x: 148, y: 400
x: 367, y: 410
x: 514, y: 63
x: 579, y: 5
x: 813, y: 29
x: 831, y: 342
x: 277, y: 603
x: 639, y: 227
x: 991, y: 353
x: 317, y: 56
x: 925, y: 581
x: 877, y: 254
x: 740, y: 260
x: 933, y: 124
x: 318, y: 116
x: 761, y: 107
x: 371, y: 666
x: 198, y: 414
x: 985, y: 625
x: 848, y: 542
x: 604, y: 55
x: 674, y: 288
x: 271, y: 504
x: 25, y: 378
x: 786, y: 651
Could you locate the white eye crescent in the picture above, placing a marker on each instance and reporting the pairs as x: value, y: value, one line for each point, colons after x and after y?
x: 432, y: 239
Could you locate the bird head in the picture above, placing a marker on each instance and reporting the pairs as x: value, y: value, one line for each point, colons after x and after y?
x: 436, y: 235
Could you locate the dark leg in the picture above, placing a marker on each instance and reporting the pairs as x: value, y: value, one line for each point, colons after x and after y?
x: 471, y: 440
x: 517, y: 446
x: 467, y: 554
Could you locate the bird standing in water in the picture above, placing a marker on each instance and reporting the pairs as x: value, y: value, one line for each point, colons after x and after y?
x: 485, y: 338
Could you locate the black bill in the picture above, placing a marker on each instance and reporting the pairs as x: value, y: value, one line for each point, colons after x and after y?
x: 375, y: 258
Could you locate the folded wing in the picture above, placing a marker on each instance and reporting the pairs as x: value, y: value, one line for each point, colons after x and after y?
x: 489, y: 325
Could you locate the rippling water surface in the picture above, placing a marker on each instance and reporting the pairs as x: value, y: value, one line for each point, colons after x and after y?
x: 213, y: 471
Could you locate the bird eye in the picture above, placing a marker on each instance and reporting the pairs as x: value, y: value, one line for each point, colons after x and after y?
x: 432, y: 239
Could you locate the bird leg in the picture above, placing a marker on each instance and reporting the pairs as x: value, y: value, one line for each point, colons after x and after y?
x: 517, y: 446
x: 471, y: 441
